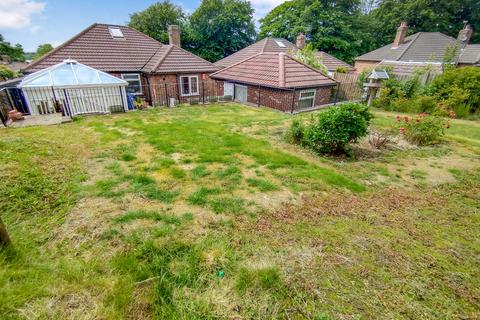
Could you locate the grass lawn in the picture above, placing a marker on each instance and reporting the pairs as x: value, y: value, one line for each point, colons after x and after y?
x: 206, y: 213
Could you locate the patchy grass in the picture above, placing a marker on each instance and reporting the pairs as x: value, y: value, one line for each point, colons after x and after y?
x: 170, y: 214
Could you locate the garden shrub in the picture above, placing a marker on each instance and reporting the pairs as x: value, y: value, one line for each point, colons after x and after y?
x: 458, y: 89
x: 295, y: 133
x: 337, y: 127
x: 422, y: 129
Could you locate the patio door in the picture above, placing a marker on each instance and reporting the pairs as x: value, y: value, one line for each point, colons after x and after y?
x: 240, y: 93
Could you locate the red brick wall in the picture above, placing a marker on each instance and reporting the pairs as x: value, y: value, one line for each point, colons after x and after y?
x: 282, y: 99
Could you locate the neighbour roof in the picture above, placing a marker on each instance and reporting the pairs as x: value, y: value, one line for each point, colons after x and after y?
x: 331, y: 62
x: 275, y: 45
x: 265, y: 69
x: 470, y: 55
x: 409, y: 68
x: 69, y: 73
x: 420, y: 47
x: 126, y: 51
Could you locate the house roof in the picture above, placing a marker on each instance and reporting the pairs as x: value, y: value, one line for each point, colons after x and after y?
x: 134, y: 52
x: 275, y: 45
x: 470, y: 54
x: 409, y: 68
x: 172, y: 59
x: 419, y: 47
x: 265, y: 69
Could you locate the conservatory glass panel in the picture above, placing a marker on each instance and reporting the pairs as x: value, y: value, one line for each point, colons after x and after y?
x: 109, y: 79
x: 63, y: 75
x: 86, y: 75
x: 43, y: 80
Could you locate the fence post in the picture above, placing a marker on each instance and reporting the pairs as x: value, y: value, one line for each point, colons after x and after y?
x: 293, y: 101
x: 336, y: 95
x: 166, y: 95
x: 67, y: 103
x: 259, y: 88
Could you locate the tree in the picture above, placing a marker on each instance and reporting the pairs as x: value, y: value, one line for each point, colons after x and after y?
x: 446, y: 16
x: 219, y: 28
x: 154, y: 20
x: 42, y: 50
x: 15, y: 53
x: 337, y: 27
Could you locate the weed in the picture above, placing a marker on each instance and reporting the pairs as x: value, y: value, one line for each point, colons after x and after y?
x: 262, y: 185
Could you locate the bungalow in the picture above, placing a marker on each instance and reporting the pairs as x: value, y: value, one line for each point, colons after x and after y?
x: 159, y: 73
x: 281, y: 45
x: 275, y: 80
x: 421, y: 49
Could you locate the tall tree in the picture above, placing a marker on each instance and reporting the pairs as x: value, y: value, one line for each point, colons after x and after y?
x: 219, y: 28
x: 42, y: 49
x: 337, y: 27
x: 14, y: 52
x: 154, y: 20
x: 445, y: 16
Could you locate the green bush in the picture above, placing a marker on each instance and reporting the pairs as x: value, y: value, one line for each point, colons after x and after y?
x: 337, y: 127
x: 295, y: 133
x: 459, y: 89
x: 6, y: 73
x: 422, y: 129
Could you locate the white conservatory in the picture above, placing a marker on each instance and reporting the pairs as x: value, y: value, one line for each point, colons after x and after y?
x: 73, y: 89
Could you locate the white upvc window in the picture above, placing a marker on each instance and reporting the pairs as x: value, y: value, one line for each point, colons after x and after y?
x: 307, y: 98
x: 134, y: 83
x: 189, y: 85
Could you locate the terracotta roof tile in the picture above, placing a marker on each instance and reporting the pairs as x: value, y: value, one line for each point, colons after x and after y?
x: 272, y: 45
x: 264, y: 69
x: 136, y: 52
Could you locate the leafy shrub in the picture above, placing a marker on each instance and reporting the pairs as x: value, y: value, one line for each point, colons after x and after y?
x: 458, y: 89
x: 422, y: 129
x: 6, y: 73
x: 337, y: 127
x: 341, y: 69
x: 295, y: 133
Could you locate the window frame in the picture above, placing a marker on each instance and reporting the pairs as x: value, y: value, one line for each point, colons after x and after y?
x: 300, y: 98
x: 190, y: 93
x: 139, y: 78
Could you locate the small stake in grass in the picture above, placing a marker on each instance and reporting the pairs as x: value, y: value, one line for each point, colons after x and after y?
x: 4, y: 237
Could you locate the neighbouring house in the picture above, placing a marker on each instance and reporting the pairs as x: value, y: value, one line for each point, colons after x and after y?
x: 267, y: 45
x: 160, y: 74
x: 15, y: 66
x: 423, y: 49
x: 275, y: 80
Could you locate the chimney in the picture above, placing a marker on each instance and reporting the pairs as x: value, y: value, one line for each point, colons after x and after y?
x: 300, y: 41
x: 174, y: 35
x: 465, y: 35
x: 401, y: 34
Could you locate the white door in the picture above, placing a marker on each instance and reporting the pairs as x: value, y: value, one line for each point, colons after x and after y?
x: 228, y: 89
x: 240, y: 93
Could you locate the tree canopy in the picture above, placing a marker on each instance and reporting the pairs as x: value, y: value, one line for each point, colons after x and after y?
x: 217, y: 28
x: 221, y: 27
x: 348, y: 28
x: 337, y: 27
x: 14, y: 52
x: 154, y: 20
x: 42, y: 49
x: 446, y: 16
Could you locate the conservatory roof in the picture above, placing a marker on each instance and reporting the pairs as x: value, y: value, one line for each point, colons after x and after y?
x: 69, y: 73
